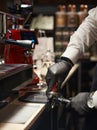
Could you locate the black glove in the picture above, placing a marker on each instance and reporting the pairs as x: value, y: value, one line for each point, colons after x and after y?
x: 79, y: 103
x: 58, y: 72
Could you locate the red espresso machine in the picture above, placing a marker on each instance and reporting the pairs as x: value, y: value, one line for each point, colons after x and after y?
x: 19, y: 46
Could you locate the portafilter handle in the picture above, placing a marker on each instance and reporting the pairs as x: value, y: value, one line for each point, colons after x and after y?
x: 55, y: 97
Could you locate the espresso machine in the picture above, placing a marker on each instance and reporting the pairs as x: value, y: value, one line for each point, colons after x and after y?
x: 17, y: 68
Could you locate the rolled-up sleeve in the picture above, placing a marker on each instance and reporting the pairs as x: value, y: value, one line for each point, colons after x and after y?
x: 95, y: 99
x: 83, y: 37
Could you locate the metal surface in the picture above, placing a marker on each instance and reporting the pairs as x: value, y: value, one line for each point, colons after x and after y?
x: 12, y: 75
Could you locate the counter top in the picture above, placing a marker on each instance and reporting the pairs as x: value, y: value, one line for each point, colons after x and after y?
x: 24, y: 116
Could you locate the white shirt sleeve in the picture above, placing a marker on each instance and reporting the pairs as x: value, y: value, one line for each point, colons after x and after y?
x: 83, y: 37
x: 95, y: 99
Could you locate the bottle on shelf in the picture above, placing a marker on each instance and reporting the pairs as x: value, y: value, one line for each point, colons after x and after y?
x: 82, y: 13
x: 60, y: 16
x: 72, y: 17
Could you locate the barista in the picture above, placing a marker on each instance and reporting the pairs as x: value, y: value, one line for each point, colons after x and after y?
x: 84, y: 37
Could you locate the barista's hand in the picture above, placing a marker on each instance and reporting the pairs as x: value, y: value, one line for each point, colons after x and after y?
x: 79, y: 103
x: 57, y: 73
